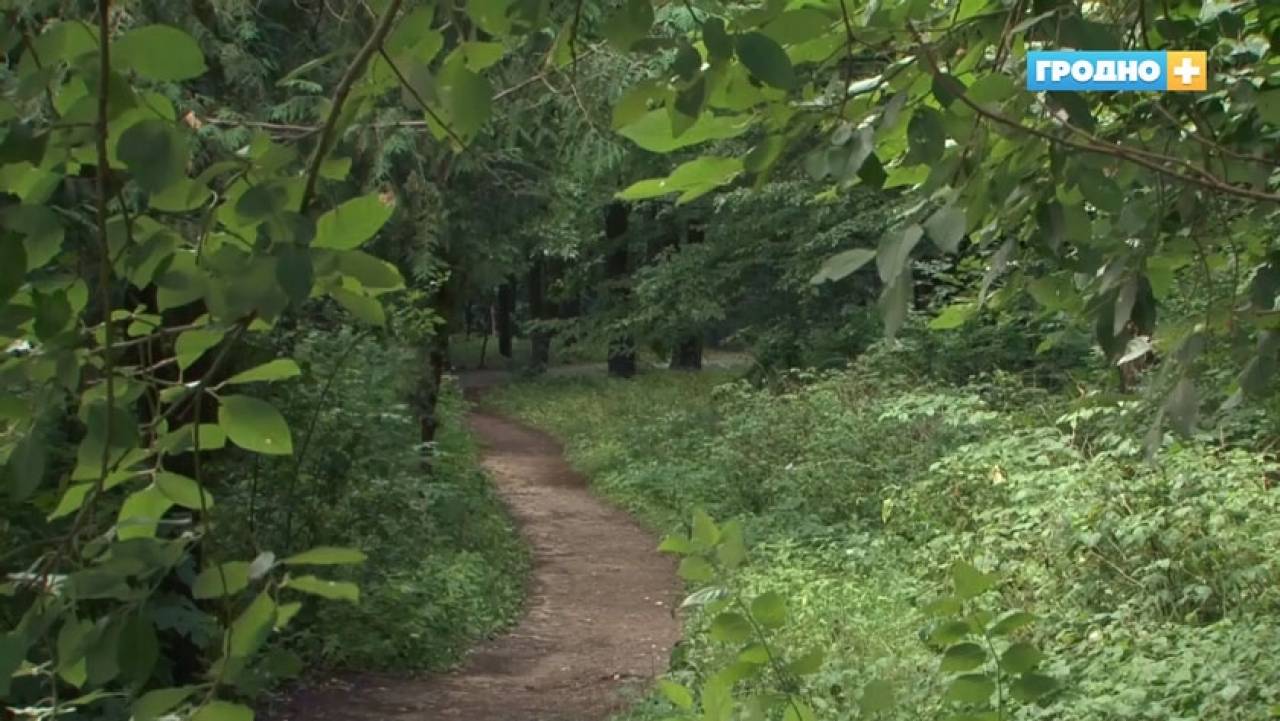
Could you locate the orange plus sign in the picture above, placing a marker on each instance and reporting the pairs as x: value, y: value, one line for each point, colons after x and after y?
x: 1187, y: 71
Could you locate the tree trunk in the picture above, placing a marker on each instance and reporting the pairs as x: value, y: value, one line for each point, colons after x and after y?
x: 687, y: 353
x: 506, y: 309
x: 622, y: 349
x: 539, y: 339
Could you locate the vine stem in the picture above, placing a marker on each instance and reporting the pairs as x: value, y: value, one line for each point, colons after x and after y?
x: 340, y: 98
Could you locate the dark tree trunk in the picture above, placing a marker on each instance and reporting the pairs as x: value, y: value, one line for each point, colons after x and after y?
x: 435, y: 360
x: 504, y: 322
x: 687, y: 353
x: 622, y: 350
x: 539, y: 339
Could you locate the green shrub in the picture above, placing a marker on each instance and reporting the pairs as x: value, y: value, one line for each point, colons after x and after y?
x: 445, y: 564
x: 1155, y: 584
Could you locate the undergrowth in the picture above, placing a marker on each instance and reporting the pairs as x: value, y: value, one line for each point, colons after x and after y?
x: 445, y: 566
x: 1155, y: 584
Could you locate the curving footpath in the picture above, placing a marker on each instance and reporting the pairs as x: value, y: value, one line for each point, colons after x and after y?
x: 599, y: 622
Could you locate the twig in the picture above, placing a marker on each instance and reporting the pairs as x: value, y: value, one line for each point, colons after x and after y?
x: 340, y: 98
x: 404, y: 82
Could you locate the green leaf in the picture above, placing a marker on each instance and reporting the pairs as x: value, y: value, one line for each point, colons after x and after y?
x: 154, y: 704
x: 209, y: 583
x: 946, y: 228
x: 72, y: 500
x: 13, y: 650
x: 183, y: 491
x: 705, y: 531
x: 25, y: 468
x: 842, y: 264
x: 809, y: 663
x: 678, y: 695
x: 141, y: 513
x: 373, y: 273
x: 730, y: 627
x: 895, y: 250
x: 1020, y: 657
x: 326, y: 556
x: 353, y: 223
x: 953, y: 316
x: 470, y: 99
x: 766, y: 60
x: 950, y: 631
x: 480, y: 55
x: 255, y: 425
x: 653, y: 130
x: 275, y: 370
x: 159, y: 52
x: 973, y: 688
x: 1268, y: 104
x: 926, y: 136
x: 696, y: 569
x: 1010, y: 622
x: 223, y: 711
x: 877, y: 696
x: 692, y: 179
x: 969, y: 581
x: 769, y: 610
x: 252, y: 627
x: 1029, y: 687
x: 895, y: 302
x: 154, y: 153
x: 962, y: 657
x: 675, y: 544
x: 334, y: 590
x: 364, y: 308
x: 628, y: 24
x: 796, y: 710
x: 192, y: 344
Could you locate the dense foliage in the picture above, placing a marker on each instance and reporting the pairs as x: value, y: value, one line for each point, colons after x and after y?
x: 858, y: 491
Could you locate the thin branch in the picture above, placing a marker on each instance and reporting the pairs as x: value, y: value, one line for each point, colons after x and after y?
x: 104, y: 264
x: 340, y: 98
x: 1093, y: 144
x: 404, y: 82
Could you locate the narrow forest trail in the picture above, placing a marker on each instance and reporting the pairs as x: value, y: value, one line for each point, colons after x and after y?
x: 598, y: 619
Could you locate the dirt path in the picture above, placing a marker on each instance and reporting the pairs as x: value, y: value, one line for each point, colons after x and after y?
x: 598, y: 620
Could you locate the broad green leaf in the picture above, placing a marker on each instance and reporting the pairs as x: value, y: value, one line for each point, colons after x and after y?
x: 675, y: 544
x: 769, y: 610
x: 1029, y: 687
x: 480, y: 55
x: 335, y: 590
x: 470, y: 99
x: 653, y: 130
x: 1268, y: 105
x: 13, y: 650
x: 278, y: 369
x: 353, y: 223
x: 366, y: 309
x: 877, y: 696
x: 926, y: 136
x: 628, y: 24
x: 972, y: 688
x: 192, y: 344
x: 373, y: 273
x: 154, y: 153
x: 183, y: 491
x: 210, y: 582
x: 946, y: 228
x: 154, y: 704
x: 326, y: 556
x: 223, y: 711
x: 730, y: 627
x: 254, y: 425
x: 969, y: 581
x: 1020, y: 657
x: 72, y: 499
x: 159, y: 52
x: 141, y: 512
x: 807, y: 664
x: 953, y: 316
x: 692, y: 180
x: 696, y: 570
x: 705, y: 531
x: 1010, y: 622
x: 676, y: 694
x: 963, y: 657
x: 766, y: 60
x: 895, y: 250
x: 843, y: 264
x: 252, y: 627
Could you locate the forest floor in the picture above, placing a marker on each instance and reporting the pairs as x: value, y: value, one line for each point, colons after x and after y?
x: 599, y: 620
